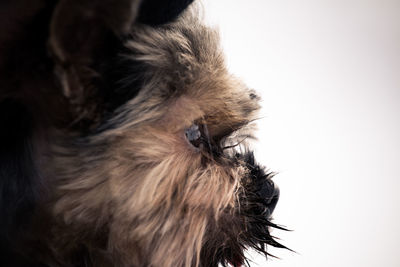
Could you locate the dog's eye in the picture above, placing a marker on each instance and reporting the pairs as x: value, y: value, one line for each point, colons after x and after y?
x: 193, y: 135
x: 197, y: 134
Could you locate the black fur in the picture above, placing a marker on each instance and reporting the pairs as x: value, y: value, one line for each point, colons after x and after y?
x: 120, y: 78
x: 157, y: 12
x: 20, y: 186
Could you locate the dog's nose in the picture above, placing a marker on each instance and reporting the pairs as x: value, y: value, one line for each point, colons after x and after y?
x: 270, y: 193
x: 273, y: 200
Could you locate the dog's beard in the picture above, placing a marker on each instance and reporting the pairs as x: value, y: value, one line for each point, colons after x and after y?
x: 168, y: 200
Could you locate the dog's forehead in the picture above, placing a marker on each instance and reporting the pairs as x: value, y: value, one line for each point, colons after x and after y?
x: 183, y: 70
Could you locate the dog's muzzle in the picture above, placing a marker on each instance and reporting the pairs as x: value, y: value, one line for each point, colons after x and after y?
x: 270, y: 193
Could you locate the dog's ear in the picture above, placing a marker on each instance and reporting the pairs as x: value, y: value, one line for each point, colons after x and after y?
x: 156, y: 12
x: 81, y: 32
x: 86, y: 33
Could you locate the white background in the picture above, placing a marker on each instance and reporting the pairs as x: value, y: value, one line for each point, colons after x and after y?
x: 329, y: 75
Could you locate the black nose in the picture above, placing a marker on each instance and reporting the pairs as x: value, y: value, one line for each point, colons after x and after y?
x: 273, y: 200
x: 270, y: 194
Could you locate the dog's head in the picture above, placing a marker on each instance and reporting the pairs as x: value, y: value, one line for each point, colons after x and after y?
x: 153, y: 169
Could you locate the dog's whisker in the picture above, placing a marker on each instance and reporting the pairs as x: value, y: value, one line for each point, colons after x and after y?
x: 235, y: 145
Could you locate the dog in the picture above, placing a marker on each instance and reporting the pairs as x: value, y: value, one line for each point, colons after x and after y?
x: 123, y: 139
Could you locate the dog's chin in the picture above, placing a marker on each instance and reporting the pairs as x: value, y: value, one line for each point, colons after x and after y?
x: 258, y: 203
x: 250, y: 223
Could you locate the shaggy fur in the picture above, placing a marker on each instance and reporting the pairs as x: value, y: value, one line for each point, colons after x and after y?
x: 130, y: 143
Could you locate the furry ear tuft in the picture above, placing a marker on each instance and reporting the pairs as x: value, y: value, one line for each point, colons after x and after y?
x: 85, y: 32
x: 80, y: 33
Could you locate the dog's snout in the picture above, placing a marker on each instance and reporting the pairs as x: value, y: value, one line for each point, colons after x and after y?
x: 274, y: 199
x: 270, y: 193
